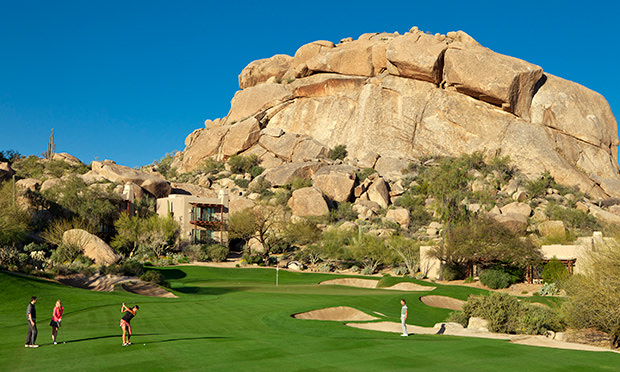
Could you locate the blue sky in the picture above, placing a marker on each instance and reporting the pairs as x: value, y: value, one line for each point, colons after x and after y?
x: 129, y: 80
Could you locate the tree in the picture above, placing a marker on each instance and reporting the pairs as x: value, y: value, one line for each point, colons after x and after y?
x: 14, y: 221
x: 594, y: 296
x: 152, y: 235
x: 484, y: 241
x: 370, y: 250
x: 408, y: 250
x: 263, y: 223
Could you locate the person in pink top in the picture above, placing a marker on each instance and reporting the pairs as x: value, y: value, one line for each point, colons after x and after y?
x: 56, y: 318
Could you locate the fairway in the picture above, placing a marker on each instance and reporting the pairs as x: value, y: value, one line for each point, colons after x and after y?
x: 237, y: 319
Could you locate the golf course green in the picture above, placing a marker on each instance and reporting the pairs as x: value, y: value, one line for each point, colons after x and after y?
x: 238, y: 320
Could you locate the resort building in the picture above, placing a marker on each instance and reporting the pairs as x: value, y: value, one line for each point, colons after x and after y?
x: 202, y: 220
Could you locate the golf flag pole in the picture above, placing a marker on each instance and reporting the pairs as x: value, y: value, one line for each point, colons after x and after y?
x: 277, y: 272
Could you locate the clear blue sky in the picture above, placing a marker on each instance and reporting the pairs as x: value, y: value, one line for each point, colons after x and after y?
x: 129, y: 80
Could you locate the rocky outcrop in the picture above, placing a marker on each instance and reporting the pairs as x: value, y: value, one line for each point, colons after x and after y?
x: 67, y: 158
x: 92, y: 246
x: 111, y: 171
x: 391, y: 96
x: 6, y: 171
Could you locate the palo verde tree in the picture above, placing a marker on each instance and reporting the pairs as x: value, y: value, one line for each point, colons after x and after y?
x: 263, y: 222
x: 594, y: 295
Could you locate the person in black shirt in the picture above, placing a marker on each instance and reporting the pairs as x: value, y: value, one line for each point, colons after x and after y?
x: 125, y: 322
x: 31, y: 316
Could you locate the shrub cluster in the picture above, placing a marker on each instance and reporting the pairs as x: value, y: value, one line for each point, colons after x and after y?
x: 495, y: 279
x: 506, y: 314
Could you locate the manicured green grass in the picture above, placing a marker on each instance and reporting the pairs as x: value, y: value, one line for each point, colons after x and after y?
x: 237, y: 319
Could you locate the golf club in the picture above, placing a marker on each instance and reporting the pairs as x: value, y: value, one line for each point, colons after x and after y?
x: 62, y: 333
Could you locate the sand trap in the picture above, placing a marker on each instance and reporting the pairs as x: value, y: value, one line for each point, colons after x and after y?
x: 443, y: 302
x: 106, y: 283
x: 370, y: 283
x: 147, y: 289
x: 339, y: 314
x: 352, y: 282
x: 408, y: 286
x: 455, y: 329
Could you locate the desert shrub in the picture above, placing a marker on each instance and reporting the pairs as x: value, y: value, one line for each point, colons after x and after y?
x: 469, y: 279
x: 193, y: 252
x: 344, y: 212
x: 14, y: 221
x: 212, y: 166
x: 298, y: 183
x: 338, y: 153
x: 458, y: 317
x: 131, y: 268
x: 450, y: 272
x: 326, y: 267
x: 244, y: 164
x: 260, y: 186
x: 282, y: 197
x: 573, y: 218
x: 555, y: 272
x: 495, y: 279
x: 164, y: 166
x: 501, y: 310
x: 538, y: 187
x: 368, y: 270
x: 549, y: 289
x: 251, y: 258
x: 152, y: 276
x: 537, y: 320
x: 66, y: 253
x: 214, y: 252
x: 355, y: 269
x: 401, y: 270
x: 9, y: 156
x: 364, y: 173
x: 8, y: 256
x: 507, y: 315
x: 242, y: 182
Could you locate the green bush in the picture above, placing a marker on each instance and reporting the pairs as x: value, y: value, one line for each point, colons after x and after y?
x: 250, y: 258
x: 507, y: 315
x: 260, y: 186
x: 298, y: 183
x: 573, y: 218
x: 131, y: 268
x: 65, y: 253
x: 212, y: 166
x: 364, y: 173
x: 458, y: 317
x: 242, y: 182
x: 338, y: 153
x: 152, y: 276
x: 344, y: 212
x: 244, y: 164
x: 214, y: 252
x: 401, y: 270
x: 549, y: 289
x: 495, y: 279
x: 451, y: 272
x: 555, y: 272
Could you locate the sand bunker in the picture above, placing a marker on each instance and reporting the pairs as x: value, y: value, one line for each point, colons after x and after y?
x: 370, y: 283
x: 352, y: 282
x: 455, y: 329
x: 408, y: 286
x: 339, y: 314
x: 147, y: 289
x: 106, y: 283
x: 443, y: 302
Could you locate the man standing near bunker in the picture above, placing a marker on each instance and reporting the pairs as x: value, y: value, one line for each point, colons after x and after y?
x: 403, y: 317
x: 31, y: 316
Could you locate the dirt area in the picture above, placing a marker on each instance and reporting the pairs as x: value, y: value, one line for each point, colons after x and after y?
x: 443, y: 302
x: 106, y: 283
x: 339, y: 313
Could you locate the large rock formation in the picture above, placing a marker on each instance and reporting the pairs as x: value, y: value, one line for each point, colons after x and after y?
x: 156, y: 186
x: 92, y: 246
x: 402, y: 97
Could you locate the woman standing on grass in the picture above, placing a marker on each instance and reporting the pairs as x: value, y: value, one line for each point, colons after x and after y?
x: 125, y: 326
x: 56, y: 318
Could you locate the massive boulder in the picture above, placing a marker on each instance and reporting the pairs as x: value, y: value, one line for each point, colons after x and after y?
x: 336, y: 181
x: 390, y: 96
x: 6, y: 171
x: 158, y: 187
x: 308, y: 201
x: 91, y: 245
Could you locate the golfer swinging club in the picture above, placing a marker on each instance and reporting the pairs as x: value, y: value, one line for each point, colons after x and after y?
x: 125, y: 326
